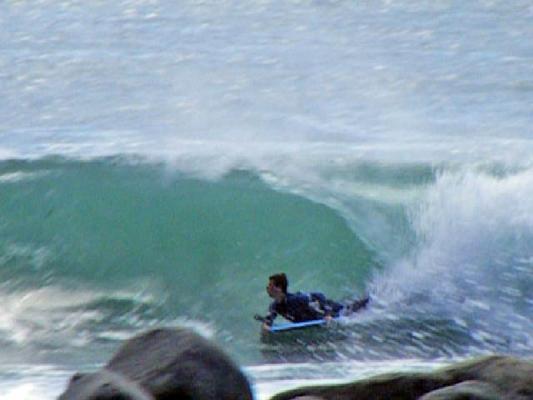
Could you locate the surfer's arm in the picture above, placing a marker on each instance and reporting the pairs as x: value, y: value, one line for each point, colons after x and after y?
x: 266, y: 324
x: 270, y: 317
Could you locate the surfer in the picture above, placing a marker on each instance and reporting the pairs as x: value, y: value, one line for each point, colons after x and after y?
x: 300, y: 307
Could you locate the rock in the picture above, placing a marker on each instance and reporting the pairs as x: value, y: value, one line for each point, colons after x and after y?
x: 103, y: 385
x: 172, y: 362
x: 468, y: 390
x: 169, y: 364
x: 308, y: 398
x: 509, y: 376
x: 389, y: 386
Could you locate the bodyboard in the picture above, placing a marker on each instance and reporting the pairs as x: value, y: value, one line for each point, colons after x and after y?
x: 299, y: 325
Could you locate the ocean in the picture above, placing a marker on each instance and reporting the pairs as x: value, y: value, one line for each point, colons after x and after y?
x: 160, y: 159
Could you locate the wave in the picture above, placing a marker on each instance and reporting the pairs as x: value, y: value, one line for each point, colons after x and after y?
x: 150, y: 243
x: 473, y: 261
x: 201, y: 248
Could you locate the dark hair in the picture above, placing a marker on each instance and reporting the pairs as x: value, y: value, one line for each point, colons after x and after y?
x: 280, y: 280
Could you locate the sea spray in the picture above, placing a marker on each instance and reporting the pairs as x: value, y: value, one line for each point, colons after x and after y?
x: 472, y: 261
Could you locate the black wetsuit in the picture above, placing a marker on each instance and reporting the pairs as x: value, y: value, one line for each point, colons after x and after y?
x: 299, y: 307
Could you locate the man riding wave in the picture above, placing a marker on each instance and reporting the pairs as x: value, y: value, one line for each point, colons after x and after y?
x: 300, y: 307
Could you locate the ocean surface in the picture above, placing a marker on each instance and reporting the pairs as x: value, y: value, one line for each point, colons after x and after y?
x: 160, y: 159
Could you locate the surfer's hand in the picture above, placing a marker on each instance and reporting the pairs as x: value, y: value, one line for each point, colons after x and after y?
x: 328, y: 318
x: 265, y: 327
x: 258, y: 317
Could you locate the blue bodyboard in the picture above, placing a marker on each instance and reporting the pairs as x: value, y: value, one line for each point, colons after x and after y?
x: 299, y: 325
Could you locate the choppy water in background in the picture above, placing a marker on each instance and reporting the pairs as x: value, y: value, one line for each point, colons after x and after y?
x: 158, y: 160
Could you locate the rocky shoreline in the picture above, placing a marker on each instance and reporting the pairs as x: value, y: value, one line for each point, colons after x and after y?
x: 177, y: 363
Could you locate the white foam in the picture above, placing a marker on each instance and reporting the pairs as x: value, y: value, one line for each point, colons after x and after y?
x: 32, y: 382
x: 53, y: 314
x: 18, y: 176
x: 473, y: 231
x: 32, y: 314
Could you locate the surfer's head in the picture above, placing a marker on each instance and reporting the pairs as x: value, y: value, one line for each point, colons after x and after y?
x: 277, y: 285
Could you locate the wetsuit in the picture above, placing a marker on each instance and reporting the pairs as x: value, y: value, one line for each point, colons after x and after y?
x: 299, y: 307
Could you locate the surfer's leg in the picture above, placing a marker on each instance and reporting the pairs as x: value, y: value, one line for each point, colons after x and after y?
x: 356, y: 305
x: 336, y: 308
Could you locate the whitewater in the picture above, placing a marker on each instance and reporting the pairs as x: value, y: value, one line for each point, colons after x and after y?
x: 159, y: 160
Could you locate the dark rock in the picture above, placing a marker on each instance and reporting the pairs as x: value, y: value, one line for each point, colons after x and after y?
x: 172, y: 362
x: 103, y: 385
x: 169, y: 364
x: 509, y: 376
x: 308, y: 398
x: 468, y: 390
x: 390, y: 386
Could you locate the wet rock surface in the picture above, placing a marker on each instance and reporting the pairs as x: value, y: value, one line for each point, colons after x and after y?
x: 165, y: 364
x: 484, y: 378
